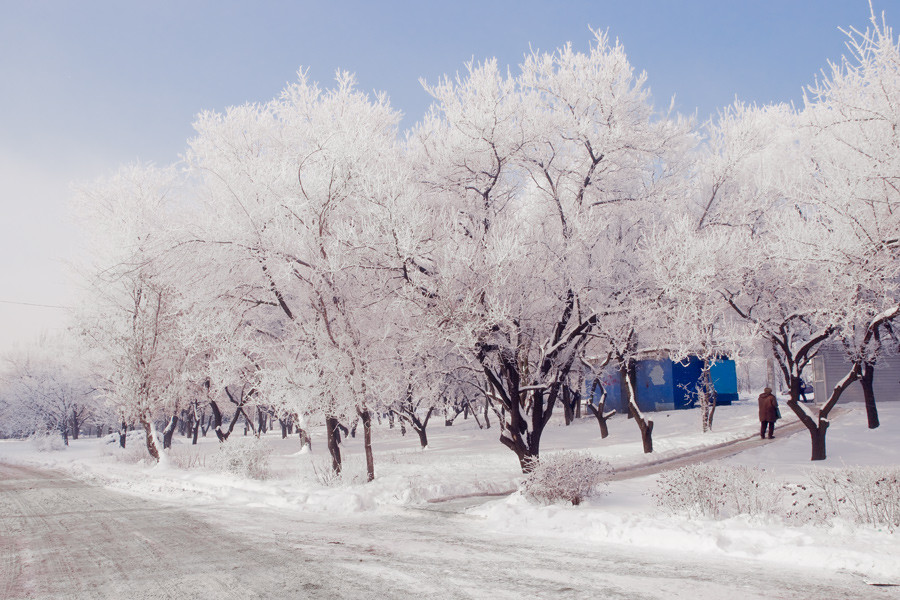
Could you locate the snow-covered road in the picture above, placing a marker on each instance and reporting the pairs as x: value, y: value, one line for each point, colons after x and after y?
x: 62, y: 538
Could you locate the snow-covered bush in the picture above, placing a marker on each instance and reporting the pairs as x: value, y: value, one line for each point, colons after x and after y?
x: 47, y: 442
x: 132, y: 453
x: 869, y: 495
x: 135, y: 450
x: 565, y: 476
x: 717, y: 491
x: 353, y: 470
x: 190, y: 458
x: 245, y: 457
x: 133, y: 437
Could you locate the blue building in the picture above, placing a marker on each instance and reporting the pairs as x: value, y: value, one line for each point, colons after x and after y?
x: 662, y: 384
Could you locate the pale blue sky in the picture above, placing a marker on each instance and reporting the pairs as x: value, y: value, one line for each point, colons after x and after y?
x: 88, y: 85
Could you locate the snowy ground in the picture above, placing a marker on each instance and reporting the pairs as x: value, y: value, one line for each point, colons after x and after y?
x: 463, y: 460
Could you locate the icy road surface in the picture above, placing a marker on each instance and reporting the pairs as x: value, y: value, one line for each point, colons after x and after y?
x: 61, y: 538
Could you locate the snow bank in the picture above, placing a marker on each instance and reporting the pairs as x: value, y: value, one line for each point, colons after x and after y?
x: 841, y: 547
x: 628, y: 516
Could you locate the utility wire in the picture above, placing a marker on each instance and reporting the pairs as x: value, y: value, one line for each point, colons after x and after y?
x: 34, y: 304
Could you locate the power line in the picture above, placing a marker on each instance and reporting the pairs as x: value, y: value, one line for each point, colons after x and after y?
x: 34, y: 304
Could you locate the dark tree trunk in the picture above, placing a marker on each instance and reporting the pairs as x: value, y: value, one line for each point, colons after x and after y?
x: 333, y: 441
x: 792, y: 364
x: 866, y: 380
x: 600, y: 410
x: 168, y: 432
x: 123, y: 434
x: 568, y: 408
x: 644, y: 425
x: 529, y: 404
x: 261, y: 416
x: 367, y: 443
x: 423, y: 437
x: 452, y: 411
x: 195, y: 421
x: 818, y: 428
x: 217, y: 420
x: 185, y: 422
x: 871, y: 346
x: 474, y: 414
x: 284, y: 430
x: 305, y: 440
x: 76, y: 424
x: 818, y: 442
x: 147, y: 424
x: 420, y: 426
x: 646, y: 428
x: 571, y: 401
x: 248, y: 424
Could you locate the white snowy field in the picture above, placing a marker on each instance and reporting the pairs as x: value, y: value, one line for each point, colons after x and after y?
x: 463, y: 460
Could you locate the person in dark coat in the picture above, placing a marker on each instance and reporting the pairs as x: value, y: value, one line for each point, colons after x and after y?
x: 768, y: 413
x: 803, y: 390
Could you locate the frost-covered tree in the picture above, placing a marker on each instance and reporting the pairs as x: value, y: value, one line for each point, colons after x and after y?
x: 819, y: 255
x: 853, y: 115
x: 435, y: 379
x: 697, y: 322
x: 790, y: 296
x: 46, y: 389
x: 753, y: 212
x: 310, y: 231
x: 128, y: 316
x: 546, y: 180
x: 734, y: 190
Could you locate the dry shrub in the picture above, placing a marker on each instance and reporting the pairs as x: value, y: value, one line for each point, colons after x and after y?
x: 186, y: 458
x: 244, y: 457
x: 133, y: 453
x: 865, y: 495
x: 565, y: 476
x: 353, y: 470
x: 717, y: 491
x: 47, y: 442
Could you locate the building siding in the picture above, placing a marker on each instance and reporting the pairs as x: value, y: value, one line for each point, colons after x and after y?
x: 831, y: 365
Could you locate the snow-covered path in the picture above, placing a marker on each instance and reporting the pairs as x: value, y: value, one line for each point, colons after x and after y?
x: 715, y: 452
x: 60, y: 537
